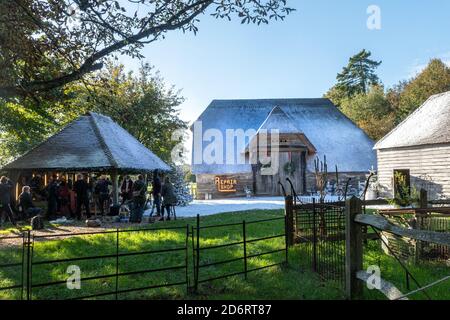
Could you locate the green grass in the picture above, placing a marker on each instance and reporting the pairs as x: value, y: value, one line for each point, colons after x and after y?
x: 424, y: 272
x: 294, y: 281
x: 281, y: 282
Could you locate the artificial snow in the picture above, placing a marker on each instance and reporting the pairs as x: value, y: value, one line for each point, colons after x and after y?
x: 210, y: 207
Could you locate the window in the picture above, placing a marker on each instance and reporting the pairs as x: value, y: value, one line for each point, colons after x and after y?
x: 402, y: 182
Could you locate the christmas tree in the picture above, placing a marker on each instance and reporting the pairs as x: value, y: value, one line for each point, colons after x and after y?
x: 181, y: 187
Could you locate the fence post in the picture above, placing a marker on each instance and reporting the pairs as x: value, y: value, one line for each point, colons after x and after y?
x: 423, y: 204
x: 28, y: 244
x: 286, y: 246
x: 193, y: 257
x: 197, y: 255
x: 423, y: 200
x: 117, y: 261
x: 22, y: 282
x: 245, y: 248
x: 353, y: 248
x: 289, y: 213
x: 314, y: 266
x: 186, y: 258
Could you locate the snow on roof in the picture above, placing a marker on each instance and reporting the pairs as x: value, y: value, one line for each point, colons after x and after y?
x: 91, y: 142
x: 279, y: 120
x: 331, y: 132
x: 429, y: 124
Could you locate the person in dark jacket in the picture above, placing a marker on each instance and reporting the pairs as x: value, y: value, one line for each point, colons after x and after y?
x: 26, y: 206
x: 139, y: 191
x: 126, y: 189
x: 139, y: 197
x: 64, y: 197
x: 169, y: 197
x: 156, y: 192
x: 81, y: 188
x: 52, y: 197
x: 5, y: 199
x: 102, y: 191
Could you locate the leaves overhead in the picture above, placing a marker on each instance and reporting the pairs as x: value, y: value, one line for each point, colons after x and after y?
x: 141, y: 103
x: 71, y: 38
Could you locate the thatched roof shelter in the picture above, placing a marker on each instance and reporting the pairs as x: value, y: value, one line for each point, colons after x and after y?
x: 91, y: 143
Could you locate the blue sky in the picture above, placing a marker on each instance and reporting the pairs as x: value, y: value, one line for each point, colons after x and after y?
x: 300, y: 57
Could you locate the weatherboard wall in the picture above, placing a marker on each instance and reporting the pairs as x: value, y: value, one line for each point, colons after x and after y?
x: 429, y: 167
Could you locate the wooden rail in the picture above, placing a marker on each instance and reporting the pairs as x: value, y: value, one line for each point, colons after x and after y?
x: 442, y: 238
x: 416, y: 211
x: 443, y: 201
x: 339, y: 204
x: 355, y: 221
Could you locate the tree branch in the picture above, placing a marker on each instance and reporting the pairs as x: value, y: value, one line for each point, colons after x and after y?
x: 90, y: 64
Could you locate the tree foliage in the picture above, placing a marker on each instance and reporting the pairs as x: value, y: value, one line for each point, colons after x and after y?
x: 358, y: 75
x: 71, y: 38
x: 141, y: 103
x: 434, y: 79
x: 372, y: 112
x: 378, y: 111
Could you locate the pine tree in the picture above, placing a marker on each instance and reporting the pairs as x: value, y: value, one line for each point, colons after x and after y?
x: 359, y: 75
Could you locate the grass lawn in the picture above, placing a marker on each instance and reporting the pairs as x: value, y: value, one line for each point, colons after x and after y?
x: 294, y: 281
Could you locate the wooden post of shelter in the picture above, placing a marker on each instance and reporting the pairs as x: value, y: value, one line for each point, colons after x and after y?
x: 353, y: 248
x: 115, y: 187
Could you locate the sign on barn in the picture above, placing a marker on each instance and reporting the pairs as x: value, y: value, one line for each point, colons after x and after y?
x: 225, y: 184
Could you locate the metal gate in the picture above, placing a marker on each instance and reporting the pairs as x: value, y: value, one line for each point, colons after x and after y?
x: 320, y: 232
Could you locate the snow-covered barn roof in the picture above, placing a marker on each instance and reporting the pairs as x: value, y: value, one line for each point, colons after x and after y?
x: 91, y: 142
x: 429, y: 124
x: 331, y: 132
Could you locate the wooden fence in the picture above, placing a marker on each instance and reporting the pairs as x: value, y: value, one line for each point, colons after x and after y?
x: 355, y: 222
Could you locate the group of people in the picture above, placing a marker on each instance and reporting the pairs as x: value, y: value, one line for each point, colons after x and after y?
x: 25, y: 207
x: 164, y: 197
x: 68, y: 198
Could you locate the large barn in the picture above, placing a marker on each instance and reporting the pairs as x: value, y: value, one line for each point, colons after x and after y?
x: 307, y: 129
x: 419, y: 149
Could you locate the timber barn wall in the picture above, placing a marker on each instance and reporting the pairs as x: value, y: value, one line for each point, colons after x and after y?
x: 429, y: 167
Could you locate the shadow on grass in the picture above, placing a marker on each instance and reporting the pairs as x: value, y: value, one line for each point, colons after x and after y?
x: 281, y: 282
